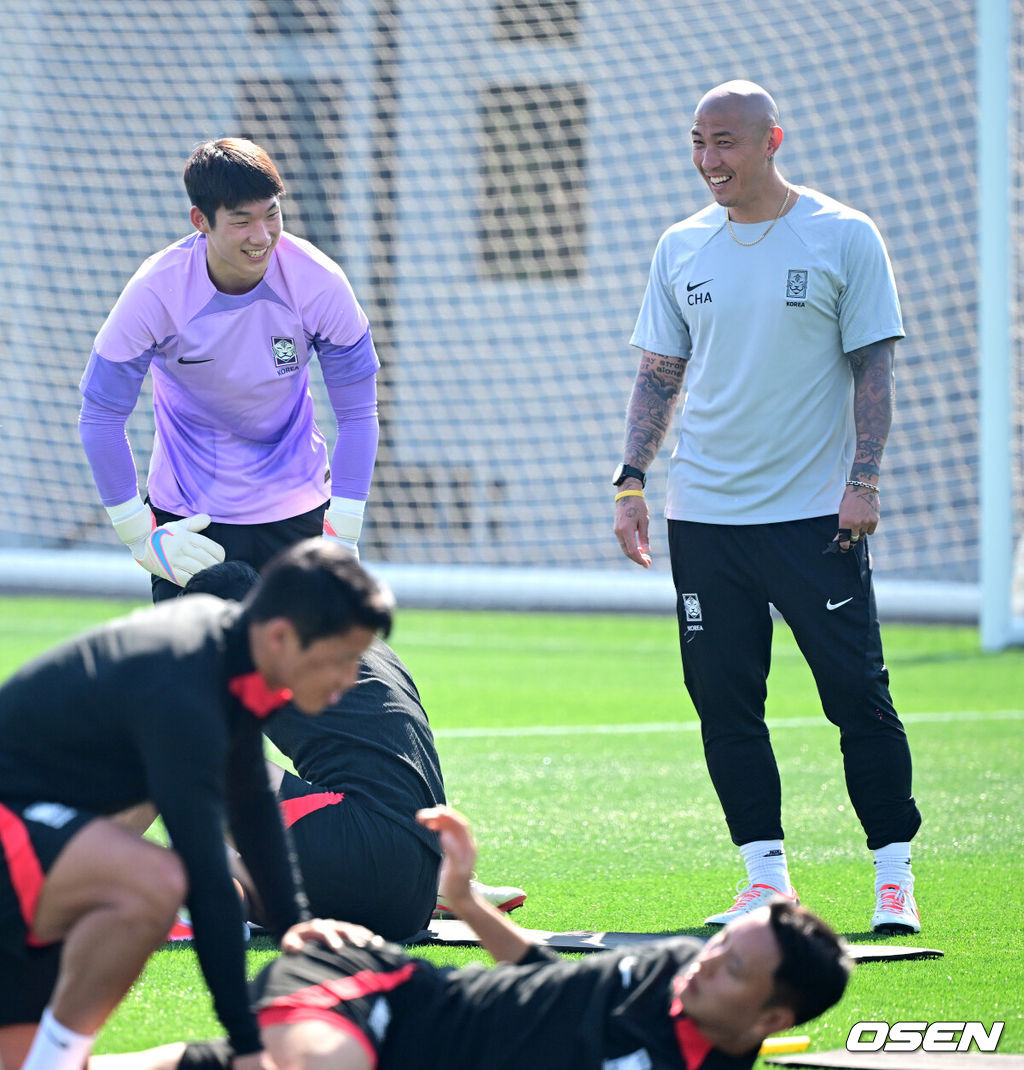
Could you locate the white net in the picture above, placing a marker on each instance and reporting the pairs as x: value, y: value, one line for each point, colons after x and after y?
x: 493, y: 176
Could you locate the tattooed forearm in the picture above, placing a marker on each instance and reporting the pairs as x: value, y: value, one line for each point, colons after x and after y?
x: 873, y: 392
x: 659, y: 382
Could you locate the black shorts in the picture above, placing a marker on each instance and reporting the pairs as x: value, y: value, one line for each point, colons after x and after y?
x: 343, y: 988
x: 32, y: 835
x: 207, y: 1055
x: 255, y: 544
x: 357, y: 864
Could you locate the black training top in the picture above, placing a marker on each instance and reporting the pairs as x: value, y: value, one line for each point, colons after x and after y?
x: 375, y: 745
x: 610, y: 1009
x: 164, y: 705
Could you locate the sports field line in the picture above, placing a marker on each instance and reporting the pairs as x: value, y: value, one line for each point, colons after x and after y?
x: 648, y: 727
x: 782, y: 645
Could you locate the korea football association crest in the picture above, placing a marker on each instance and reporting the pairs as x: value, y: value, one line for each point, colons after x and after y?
x: 692, y: 612
x: 796, y: 287
x: 286, y: 356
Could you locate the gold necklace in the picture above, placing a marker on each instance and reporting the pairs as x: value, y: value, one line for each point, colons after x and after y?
x: 728, y: 223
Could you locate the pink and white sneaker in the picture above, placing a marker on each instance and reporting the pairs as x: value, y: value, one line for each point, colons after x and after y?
x: 181, y: 929
x: 896, y: 910
x: 750, y: 897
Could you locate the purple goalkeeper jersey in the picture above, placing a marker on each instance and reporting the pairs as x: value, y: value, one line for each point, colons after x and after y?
x: 235, y: 434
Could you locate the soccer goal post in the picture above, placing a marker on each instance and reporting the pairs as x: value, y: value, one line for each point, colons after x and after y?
x: 1001, y: 569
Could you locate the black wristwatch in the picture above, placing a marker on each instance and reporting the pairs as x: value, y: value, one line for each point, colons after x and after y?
x: 627, y: 471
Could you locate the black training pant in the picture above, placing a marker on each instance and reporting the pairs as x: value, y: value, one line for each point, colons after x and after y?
x: 725, y: 577
x: 255, y: 544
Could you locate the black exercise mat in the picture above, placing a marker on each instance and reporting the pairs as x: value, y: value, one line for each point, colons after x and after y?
x: 456, y: 933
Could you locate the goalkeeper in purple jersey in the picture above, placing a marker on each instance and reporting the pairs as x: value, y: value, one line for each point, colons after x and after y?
x: 227, y: 321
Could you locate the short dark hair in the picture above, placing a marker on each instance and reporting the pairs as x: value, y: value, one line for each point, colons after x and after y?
x: 814, y: 968
x: 229, y: 172
x: 227, y: 579
x: 323, y: 590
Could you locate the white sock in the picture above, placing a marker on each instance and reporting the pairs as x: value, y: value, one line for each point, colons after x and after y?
x: 766, y: 863
x: 56, y: 1047
x: 892, y: 865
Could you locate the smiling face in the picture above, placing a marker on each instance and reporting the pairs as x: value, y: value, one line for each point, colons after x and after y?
x: 240, y: 242
x: 725, y: 989
x: 734, y: 139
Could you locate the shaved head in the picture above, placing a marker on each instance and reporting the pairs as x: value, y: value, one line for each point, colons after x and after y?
x: 734, y: 139
x: 748, y: 99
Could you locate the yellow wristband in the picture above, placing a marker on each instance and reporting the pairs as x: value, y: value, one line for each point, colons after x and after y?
x: 628, y: 494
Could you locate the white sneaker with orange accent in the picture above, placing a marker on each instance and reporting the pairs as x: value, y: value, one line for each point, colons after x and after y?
x: 896, y: 910
x: 503, y: 897
x: 750, y: 897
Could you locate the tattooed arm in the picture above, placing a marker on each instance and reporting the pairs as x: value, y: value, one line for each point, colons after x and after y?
x: 873, y: 393
x: 659, y: 382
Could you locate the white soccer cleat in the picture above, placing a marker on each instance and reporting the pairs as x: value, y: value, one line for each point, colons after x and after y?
x: 503, y: 897
x: 896, y: 910
x: 182, y: 929
x: 750, y: 897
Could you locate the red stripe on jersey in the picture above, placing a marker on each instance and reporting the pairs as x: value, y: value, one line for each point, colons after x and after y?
x: 252, y: 691
x: 326, y: 995
x: 287, y: 1015
x: 293, y: 809
x: 693, y: 1045
x: 23, y: 866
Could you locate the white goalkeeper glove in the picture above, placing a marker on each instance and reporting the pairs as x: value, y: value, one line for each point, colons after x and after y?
x: 173, y: 551
x: 343, y: 523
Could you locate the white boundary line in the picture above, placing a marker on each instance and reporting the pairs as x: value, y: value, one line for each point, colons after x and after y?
x: 654, y: 727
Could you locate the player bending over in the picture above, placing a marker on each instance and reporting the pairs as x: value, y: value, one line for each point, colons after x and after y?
x: 163, y: 707
x: 673, y: 1004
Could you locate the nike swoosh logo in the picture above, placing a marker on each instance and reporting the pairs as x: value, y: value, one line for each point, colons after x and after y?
x: 56, y: 1040
x: 835, y: 605
x: 156, y: 541
x: 697, y: 285
x: 182, y: 360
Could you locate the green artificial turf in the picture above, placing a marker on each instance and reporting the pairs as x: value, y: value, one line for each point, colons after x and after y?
x: 571, y: 743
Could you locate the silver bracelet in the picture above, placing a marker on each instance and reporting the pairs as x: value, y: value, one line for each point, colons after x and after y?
x: 859, y: 483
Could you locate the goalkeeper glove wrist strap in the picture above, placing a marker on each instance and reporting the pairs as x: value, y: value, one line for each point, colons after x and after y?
x: 133, y: 520
x: 344, y: 518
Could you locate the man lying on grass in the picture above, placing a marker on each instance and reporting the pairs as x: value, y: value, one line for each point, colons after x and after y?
x: 675, y: 1004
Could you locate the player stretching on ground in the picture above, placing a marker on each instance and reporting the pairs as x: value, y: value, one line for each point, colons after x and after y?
x: 365, y: 766
x: 227, y: 321
x: 164, y: 706
x: 665, y: 1006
